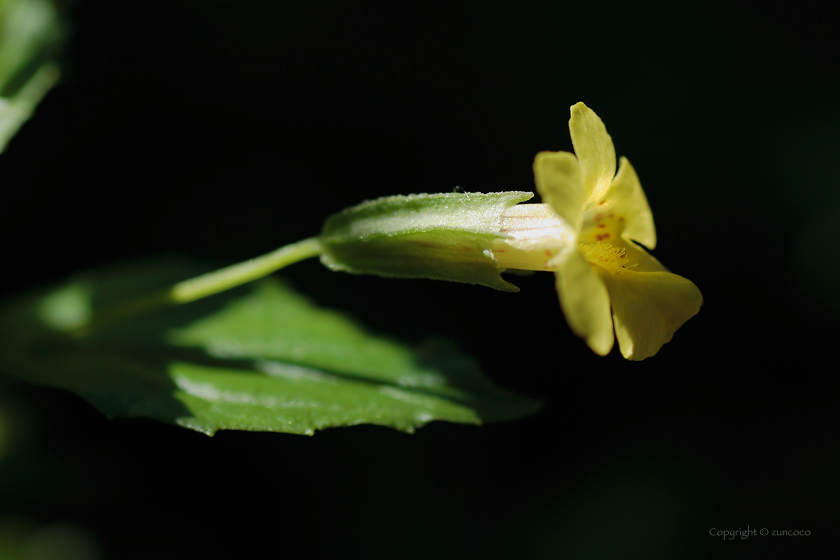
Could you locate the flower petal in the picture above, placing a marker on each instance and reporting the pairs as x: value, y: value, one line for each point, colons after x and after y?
x: 594, y: 149
x: 585, y: 301
x: 639, y: 259
x: 558, y: 179
x: 626, y: 197
x: 648, y: 308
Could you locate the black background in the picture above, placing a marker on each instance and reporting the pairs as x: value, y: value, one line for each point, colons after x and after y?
x: 226, y: 129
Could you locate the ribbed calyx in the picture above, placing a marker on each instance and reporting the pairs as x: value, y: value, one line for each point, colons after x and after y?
x: 446, y: 236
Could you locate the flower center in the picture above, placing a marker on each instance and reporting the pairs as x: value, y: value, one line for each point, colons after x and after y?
x: 538, y: 234
x: 612, y: 259
x: 601, y: 223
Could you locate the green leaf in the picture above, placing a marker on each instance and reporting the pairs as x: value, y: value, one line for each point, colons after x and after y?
x: 261, y: 358
x: 30, y: 34
x: 16, y: 110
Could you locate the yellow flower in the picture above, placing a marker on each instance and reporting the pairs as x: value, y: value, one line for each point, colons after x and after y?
x: 586, y: 233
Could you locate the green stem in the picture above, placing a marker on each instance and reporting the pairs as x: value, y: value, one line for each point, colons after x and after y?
x: 244, y: 272
x: 209, y: 284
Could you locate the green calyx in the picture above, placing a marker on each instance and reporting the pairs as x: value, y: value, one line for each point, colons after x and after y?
x: 446, y: 236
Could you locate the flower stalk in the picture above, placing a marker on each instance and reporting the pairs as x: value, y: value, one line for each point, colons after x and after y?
x: 205, y: 285
x: 244, y: 272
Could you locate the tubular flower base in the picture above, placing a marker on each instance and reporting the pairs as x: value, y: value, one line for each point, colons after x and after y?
x: 586, y: 233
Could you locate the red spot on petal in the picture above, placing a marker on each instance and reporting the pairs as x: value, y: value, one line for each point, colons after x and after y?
x: 602, y: 225
x: 602, y: 236
x: 547, y: 253
x: 603, y: 202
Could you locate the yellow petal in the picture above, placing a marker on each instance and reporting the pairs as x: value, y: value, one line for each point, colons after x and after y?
x: 639, y: 259
x: 648, y: 308
x: 594, y: 149
x: 558, y: 179
x: 626, y: 198
x: 585, y: 301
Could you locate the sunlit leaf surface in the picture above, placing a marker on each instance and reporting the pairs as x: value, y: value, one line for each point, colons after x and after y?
x: 260, y: 358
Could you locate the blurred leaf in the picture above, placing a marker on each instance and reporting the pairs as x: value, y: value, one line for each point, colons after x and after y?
x: 261, y: 358
x: 30, y: 33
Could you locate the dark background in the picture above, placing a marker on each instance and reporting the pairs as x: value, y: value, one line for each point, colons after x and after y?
x: 226, y: 129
